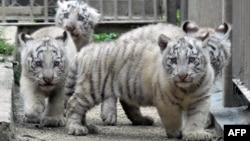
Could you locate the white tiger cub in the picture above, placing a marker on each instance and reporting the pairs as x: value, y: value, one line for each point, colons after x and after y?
x: 45, y: 59
x: 175, y: 76
x: 150, y: 33
x: 218, y: 43
x: 79, y: 19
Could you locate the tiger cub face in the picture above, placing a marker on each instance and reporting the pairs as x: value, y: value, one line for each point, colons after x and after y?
x: 76, y: 17
x: 217, y: 44
x: 44, y: 60
x: 184, y: 60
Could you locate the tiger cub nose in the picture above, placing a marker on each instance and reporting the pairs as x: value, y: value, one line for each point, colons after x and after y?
x: 70, y: 28
x: 182, y: 76
x: 47, y: 79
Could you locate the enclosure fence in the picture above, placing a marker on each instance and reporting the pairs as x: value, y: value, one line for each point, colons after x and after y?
x: 43, y: 11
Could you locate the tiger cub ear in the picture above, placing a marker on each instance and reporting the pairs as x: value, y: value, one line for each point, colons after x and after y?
x: 224, y: 29
x: 189, y: 27
x: 24, y: 38
x: 60, y: 3
x: 95, y: 17
x: 163, y: 41
x: 63, y: 38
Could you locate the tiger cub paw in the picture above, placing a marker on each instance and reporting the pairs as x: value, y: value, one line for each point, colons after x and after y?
x: 144, y: 120
x: 53, y: 121
x: 32, y: 114
x: 78, y: 130
x: 199, y: 135
x: 109, y: 118
x: 174, y: 134
x: 31, y: 118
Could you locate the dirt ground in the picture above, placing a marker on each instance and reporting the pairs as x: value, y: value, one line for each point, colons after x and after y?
x: 123, y: 131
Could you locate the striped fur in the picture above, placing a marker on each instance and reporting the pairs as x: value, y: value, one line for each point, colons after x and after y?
x: 149, y: 33
x: 45, y: 62
x: 152, y: 32
x: 143, y: 74
x: 79, y: 19
x: 218, y: 43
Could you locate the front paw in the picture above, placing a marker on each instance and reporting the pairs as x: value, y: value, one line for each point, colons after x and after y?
x: 32, y: 114
x: 77, y: 129
x: 199, y: 135
x: 31, y: 118
x: 53, y: 121
x: 109, y: 118
x: 174, y: 134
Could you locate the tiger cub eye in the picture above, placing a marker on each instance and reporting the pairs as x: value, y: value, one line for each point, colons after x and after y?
x: 38, y: 63
x: 56, y: 63
x: 66, y: 15
x: 173, y: 60
x: 191, y: 59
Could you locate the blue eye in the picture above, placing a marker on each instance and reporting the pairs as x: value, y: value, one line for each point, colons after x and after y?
x: 173, y: 60
x: 66, y: 15
x: 191, y: 59
x: 56, y: 63
x: 80, y: 18
x: 38, y: 63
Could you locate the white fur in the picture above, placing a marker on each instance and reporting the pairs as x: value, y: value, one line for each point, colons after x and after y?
x: 83, y: 31
x: 32, y: 90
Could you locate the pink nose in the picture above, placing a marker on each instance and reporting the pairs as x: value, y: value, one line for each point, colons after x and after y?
x: 70, y: 28
x: 47, y: 79
x: 182, y: 76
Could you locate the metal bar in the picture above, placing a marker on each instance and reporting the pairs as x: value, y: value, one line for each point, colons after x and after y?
x: 155, y: 9
x: 101, y: 8
x: 164, y: 6
x: 31, y: 10
x: 184, y: 10
x: 130, y: 9
x: 46, y: 10
x: 115, y: 10
x: 171, y: 11
x: 3, y: 11
x: 143, y: 9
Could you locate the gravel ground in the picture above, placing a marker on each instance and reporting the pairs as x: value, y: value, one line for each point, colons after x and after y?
x: 123, y: 131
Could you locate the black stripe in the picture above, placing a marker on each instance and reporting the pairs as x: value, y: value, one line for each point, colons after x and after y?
x: 137, y: 80
x: 175, y: 96
x: 104, y: 85
x: 168, y: 97
x: 200, y: 100
x: 92, y: 90
x: 99, y: 64
x: 39, y: 52
x: 117, y: 49
x: 38, y: 48
x: 85, y: 101
x: 130, y: 68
